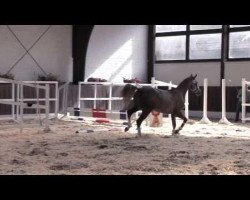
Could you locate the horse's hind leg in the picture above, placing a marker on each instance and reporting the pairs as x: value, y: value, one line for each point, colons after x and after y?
x: 180, y: 115
x: 143, y: 116
x: 130, y: 113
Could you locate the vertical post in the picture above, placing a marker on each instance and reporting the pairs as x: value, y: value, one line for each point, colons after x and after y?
x: 243, y: 104
x: 63, y: 99
x: 153, y: 82
x: 205, y: 99
x: 37, y: 101
x: 66, y: 98
x: 79, y: 95
x: 95, y: 95
x: 47, y: 129
x: 223, y: 103
x: 17, y: 99
x: 21, y: 107
x: 224, y: 46
x: 151, y: 51
x: 186, y: 105
x: 223, y: 99
x: 65, y: 92
x: 205, y: 119
x: 57, y: 100
x: 110, y: 96
x: 13, y: 99
x: 169, y: 88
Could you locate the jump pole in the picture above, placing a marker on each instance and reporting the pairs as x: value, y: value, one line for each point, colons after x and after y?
x: 21, y: 107
x: 243, y: 104
x: 187, y: 106
x: 205, y: 119
x: 47, y: 129
x: 223, y: 103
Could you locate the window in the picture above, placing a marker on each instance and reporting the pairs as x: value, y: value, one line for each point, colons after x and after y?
x: 187, y: 42
x: 170, y: 48
x: 170, y: 28
x: 235, y: 26
x: 239, y: 42
x: 206, y: 46
x: 239, y: 46
x: 205, y: 27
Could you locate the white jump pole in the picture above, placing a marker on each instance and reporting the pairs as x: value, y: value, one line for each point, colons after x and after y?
x: 21, y: 107
x: 13, y: 99
x: 57, y: 100
x: 169, y: 88
x: 110, y: 97
x: 223, y: 103
x: 17, y: 99
x: 79, y: 95
x: 243, y: 112
x: 95, y: 95
x: 66, y: 98
x: 47, y: 129
x: 153, y: 82
x: 186, y: 106
x: 205, y: 119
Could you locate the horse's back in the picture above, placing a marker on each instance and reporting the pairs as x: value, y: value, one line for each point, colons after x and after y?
x: 157, y: 99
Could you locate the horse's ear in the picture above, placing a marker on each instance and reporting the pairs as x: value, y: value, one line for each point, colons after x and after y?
x: 195, y: 76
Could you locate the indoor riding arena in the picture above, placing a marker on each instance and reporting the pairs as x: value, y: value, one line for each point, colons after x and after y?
x: 124, y: 99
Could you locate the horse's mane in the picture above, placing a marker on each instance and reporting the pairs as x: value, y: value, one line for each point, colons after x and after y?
x: 184, y: 83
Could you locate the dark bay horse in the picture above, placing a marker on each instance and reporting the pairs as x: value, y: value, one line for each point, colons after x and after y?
x: 148, y: 99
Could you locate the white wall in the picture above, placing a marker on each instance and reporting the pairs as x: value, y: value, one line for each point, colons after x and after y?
x: 235, y: 71
x: 176, y: 72
x: 117, y: 51
x: 53, y: 52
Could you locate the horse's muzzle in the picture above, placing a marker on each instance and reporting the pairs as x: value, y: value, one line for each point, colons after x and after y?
x: 198, y: 92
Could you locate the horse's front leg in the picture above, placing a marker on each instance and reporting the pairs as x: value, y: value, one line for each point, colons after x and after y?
x: 143, y: 116
x: 180, y: 115
x: 129, y: 113
x: 173, y: 118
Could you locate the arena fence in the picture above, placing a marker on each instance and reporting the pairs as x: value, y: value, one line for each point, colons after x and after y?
x: 21, y: 103
x: 244, y: 104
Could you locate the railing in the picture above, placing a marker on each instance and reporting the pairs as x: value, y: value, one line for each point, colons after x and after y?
x: 54, y: 99
x: 19, y: 102
x: 64, y: 89
x: 12, y: 99
x: 244, y: 104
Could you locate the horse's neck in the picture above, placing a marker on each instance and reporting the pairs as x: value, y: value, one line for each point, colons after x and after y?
x: 183, y: 88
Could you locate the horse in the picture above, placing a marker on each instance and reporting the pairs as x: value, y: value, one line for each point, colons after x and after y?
x: 150, y: 99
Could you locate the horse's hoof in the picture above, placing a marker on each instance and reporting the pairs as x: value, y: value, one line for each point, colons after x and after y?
x: 126, y: 129
x: 175, y: 132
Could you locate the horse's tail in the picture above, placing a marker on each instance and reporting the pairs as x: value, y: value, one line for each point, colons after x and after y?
x: 127, y: 93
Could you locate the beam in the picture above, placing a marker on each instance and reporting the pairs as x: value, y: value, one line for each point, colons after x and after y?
x: 151, y: 52
x: 81, y: 35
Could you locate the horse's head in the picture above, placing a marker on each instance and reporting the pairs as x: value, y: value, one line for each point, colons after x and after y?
x: 194, y: 85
